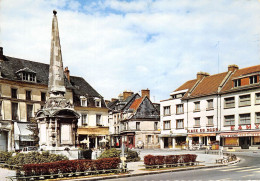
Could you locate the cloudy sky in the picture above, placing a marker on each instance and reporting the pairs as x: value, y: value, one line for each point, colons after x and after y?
x: 135, y: 44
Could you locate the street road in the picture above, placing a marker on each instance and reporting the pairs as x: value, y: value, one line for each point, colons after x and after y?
x: 247, y: 169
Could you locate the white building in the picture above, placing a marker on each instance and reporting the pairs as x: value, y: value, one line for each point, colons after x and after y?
x: 221, y: 108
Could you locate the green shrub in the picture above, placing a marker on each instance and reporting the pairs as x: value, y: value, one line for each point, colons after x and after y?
x: 113, y: 152
x: 4, y: 155
x: 35, y: 157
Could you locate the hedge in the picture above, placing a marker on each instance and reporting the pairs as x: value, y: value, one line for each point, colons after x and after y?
x: 70, y: 166
x: 131, y: 156
x: 169, y: 159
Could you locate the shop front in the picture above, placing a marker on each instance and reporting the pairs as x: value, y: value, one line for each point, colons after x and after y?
x: 93, y: 137
x: 202, y: 139
x: 128, y: 139
x: 243, y: 140
x: 174, y: 141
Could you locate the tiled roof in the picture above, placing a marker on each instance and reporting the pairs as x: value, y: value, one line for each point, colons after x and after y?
x: 240, y: 72
x: 79, y: 85
x: 209, y: 85
x: 136, y: 103
x: 187, y: 85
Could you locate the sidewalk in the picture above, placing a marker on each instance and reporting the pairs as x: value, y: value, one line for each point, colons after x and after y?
x: 137, y: 168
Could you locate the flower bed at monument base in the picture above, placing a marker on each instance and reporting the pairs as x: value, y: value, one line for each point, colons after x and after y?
x: 70, y: 166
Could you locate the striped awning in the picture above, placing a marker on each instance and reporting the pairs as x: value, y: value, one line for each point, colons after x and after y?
x: 240, y: 134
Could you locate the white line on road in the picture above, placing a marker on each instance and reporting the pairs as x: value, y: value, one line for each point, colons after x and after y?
x: 248, y: 170
x: 236, y: 169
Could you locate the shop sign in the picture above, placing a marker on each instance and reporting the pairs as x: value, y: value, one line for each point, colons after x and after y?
x: 202, y: 130
x: 240, y: 134
x: 240, y: 127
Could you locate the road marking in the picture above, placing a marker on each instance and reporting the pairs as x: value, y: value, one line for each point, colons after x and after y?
x: 248, y: 170
x: 232, y: 169
x: 215, y: 168
x: 248, y: 175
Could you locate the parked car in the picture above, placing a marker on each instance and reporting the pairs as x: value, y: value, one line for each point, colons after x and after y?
x: 29, y: 149
x: 140, y: 144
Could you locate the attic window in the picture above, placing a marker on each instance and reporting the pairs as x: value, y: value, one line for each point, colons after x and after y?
x: 83, y: 101
x: 237, y: 83
x: 98, y: 103
x: 253, y: 79
x: 28, y: 77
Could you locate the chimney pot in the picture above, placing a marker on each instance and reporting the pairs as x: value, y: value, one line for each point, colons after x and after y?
x: 145, y: 92
x: 67, y: 73
x: 126, y: 94
x: 200, y: 75
x: 233, y: 67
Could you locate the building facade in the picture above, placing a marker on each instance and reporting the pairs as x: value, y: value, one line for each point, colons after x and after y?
x: 217, y: 109
x: 134, y: 118
x: 24, y: 91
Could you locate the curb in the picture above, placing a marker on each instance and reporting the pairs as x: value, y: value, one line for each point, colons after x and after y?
x: 155, y: 172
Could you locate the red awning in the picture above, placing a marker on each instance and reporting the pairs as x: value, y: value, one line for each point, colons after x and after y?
x: 240, y: 134
x: 205, y: 134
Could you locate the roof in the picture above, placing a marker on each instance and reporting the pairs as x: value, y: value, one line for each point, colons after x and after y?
x: 136, y: 103
x: 80, y: 87
x: 208, y: 85
x: 240, y: 72
x: 187, y: 85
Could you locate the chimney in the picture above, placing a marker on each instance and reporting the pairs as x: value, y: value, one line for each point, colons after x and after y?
x: 145, y: 92
x: 67, y: 73
x: 107, y: 101
x: 1, y: 54
x: 233, y: 67
x: 126, y: 94
x: 114, y: 99
x: 200, y: 75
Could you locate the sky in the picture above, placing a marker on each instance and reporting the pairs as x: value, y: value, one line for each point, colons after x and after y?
x: 135, y: 44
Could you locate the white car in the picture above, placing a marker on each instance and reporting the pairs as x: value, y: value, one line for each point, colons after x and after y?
x: 29, y: 149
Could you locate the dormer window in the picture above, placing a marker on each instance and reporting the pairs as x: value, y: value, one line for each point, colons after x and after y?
x: 97, y: 102
x: 253, y: 79
x: 83, y: 101
x: 237, y: 83
x: 27, y: 74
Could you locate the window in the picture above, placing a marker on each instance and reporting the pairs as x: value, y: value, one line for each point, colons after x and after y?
x: 84, y: 119
x: 14, y: 111
x: 244, y: 118
x: 14, y: 93
x: 210, y: 120
x: 257, y: 117
x: 179, y: 108
x: 29, y: 77
x: 253, y: 79
x: 179, y: 124
x: 210, y: 104
x: 149, y: 139
x: 98, y: 103
x: 166, y: 110
x: 229, y: 120
x: 229, y: 102
x: 84, y: 102
x: 28, y: 95
x: 257, y: 98
x: 98, y: 120
x: 197, y: 106
x: 155, y: 125
x: 29, y: 108
x: 237, y: 83
x: 197, y: 122
x: 167, y: 125
x: 137, y: 125
x: 244, y: 100
x: 43, y: 96
x: 1, y: 109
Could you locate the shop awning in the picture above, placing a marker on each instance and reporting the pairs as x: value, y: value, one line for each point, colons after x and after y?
x: 22, y: 132
x: 239, y: 134
x: 173, y: 135
x: 201, y: 135
x: 93, y: 131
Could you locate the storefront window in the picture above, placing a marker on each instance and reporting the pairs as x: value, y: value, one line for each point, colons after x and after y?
x: 256, y: 140
x: 231, y: 142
